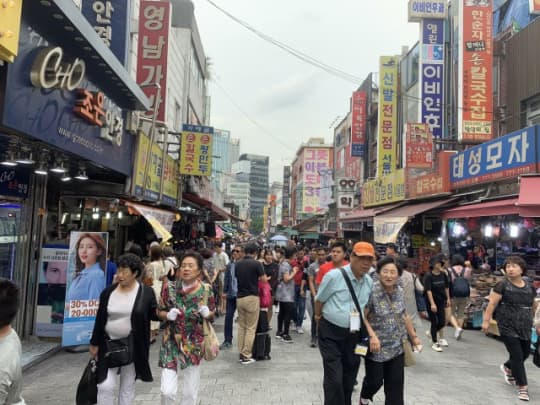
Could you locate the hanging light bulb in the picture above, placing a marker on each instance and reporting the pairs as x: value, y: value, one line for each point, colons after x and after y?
x: 488, y: 231
x: 514, y: 231
x: 120, y: 215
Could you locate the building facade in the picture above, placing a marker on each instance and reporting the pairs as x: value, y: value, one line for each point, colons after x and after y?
x: 258, y: 180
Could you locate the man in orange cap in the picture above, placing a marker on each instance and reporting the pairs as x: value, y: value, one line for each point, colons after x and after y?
x: 340, y: 324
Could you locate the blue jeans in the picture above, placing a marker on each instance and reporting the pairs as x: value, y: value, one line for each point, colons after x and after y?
x: 229, y: 319
x: 300, y: 304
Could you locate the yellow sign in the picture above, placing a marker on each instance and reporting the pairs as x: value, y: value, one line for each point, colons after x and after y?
x: 155, y: 173
x: 10, y: 26
x: 388, y: 110
x: 384, y: 190
x: 196, y: 150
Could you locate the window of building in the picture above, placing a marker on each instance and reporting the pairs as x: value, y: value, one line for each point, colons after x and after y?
x: 532, y: 111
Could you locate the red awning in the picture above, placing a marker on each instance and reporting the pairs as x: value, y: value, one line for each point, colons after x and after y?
x: 528, y: 187
x: 485, y: 209
x: 359, y: 214
x: 411, y: 210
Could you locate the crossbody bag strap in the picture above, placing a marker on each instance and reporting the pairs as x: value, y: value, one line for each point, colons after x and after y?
x: 353, y: 294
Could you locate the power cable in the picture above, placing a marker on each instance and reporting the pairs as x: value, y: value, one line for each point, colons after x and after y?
x: 298, y: 54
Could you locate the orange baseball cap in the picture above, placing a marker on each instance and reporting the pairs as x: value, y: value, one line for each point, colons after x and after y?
x: 364, y: 249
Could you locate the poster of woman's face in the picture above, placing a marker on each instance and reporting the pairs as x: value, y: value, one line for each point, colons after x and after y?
x: 54, y: 272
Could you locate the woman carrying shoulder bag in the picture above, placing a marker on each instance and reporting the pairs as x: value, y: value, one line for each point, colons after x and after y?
x: 121, y: 337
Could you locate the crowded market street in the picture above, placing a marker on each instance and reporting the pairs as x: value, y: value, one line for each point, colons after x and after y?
x: 466, y: 373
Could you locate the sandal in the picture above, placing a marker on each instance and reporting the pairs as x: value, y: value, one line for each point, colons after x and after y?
x: 508, y: 377
x: 523, y: 394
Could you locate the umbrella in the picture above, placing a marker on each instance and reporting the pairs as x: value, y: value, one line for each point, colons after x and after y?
x: 276, y: 238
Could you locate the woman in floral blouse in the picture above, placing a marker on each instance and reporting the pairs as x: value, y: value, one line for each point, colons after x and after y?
x: 184, y: 304
x: 388, y: 324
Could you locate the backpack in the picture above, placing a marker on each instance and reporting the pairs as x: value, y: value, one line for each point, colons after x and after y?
x: 461, y: 286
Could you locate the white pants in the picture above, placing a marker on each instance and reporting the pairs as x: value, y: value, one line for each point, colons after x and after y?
x: 169, y: 386
x: 106, y: 389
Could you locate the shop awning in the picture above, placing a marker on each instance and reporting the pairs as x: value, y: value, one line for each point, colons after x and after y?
x: 486, y: 209
x: 411, y: 210
x: 529, y: 187
x: 309, y: 235
x: 160, y: 220
x: 359, y: 214
x: 217, y: 213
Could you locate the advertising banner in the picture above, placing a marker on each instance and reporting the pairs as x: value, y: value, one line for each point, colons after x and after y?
x: 49, y: 98
x: 196, y: 150
x: 156, y: 172
x: 315, y: 159
x: 359, y: 123
x: 432, y: 76
x: 419, y: 9
x: 346, y: 187
x: 53, y: 265
x: 327, y: 182
x: 384, y: 190
x: 152, y: 53
x: 504, y: 157
x: 419, y: 148
x: 475, y: 98
x: 286, y: 196
x: 387, y: 134
x: 87, y: 265
x: 161, y: 221
x: 434, y: 183
x: 386, y: 229
x: 14, y: 181
x: 10, y: 21
x: 110, y: 19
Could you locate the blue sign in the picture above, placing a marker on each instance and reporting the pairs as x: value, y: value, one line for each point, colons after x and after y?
x: 48, y: 114
x: 357, y: 149
x: 110, y: 19
x: 432, y: 76
x: 505, y: 157
x: 14, y: 181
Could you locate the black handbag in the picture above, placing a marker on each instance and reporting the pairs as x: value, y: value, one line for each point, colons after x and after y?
x: 536, y: 355
x: 87, y: 388
x: 118, y: 352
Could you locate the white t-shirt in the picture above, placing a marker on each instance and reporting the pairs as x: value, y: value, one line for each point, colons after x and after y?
x: 11, y: 370
x: 119, y: 311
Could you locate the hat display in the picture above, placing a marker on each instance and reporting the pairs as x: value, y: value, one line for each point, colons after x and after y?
x: 364, y: 249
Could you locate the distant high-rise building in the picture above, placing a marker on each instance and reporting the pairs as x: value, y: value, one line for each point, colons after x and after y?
x: 225, y: 152
x: 258, y: 181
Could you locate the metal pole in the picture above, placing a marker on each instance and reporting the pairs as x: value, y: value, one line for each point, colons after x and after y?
x: 164, y: 156
x: 151, y: 136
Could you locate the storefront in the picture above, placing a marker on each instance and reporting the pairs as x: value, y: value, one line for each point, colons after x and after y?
x: 63, y: 123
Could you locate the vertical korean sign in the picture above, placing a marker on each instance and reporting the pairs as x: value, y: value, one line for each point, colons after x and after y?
x: 315, y: 160
x: 286, y: 196
x: 110, y: 19
x: 87, y: 264
x: 359, y: 120
x: 196, y: 150
x: 387, y: 137
x: 152, y: 53
x: 432, y: 75
x: 475, y: 102
x: 419, y: 149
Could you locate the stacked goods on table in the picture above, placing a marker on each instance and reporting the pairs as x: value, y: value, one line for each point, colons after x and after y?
x: 481, y: 285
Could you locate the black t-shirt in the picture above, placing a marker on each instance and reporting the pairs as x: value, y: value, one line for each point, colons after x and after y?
x: 437, y: 284
x: 247, y: 272
x: 514, y: 313
x: 272, y: 271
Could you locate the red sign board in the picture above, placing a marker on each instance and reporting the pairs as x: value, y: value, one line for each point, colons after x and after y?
x: 433, y: 183
x: 476, y: 89
x: 152, y: 52
x: 359, y: 118
x: 419, y: 149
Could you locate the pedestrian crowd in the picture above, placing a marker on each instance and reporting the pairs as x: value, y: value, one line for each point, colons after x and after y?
x: 360, y: 305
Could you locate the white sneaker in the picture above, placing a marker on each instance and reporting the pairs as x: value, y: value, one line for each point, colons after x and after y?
x: 299, y: 330
x: 443, y: 342
x: 436, y: 347
x: 428, y: 333
x: 458, y: 333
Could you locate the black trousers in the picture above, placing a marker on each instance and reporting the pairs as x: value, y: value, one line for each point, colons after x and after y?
x: 313, y: 321
x: 391, y: 374
x: 437, y: 319
x: 340, y: 364
x: 519, y: 350
x: 286, y: 313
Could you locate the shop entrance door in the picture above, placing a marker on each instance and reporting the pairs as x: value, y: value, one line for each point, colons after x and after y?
x: 9, y: 230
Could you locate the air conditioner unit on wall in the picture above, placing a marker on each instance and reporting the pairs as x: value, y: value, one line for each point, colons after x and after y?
x: 133, y: 121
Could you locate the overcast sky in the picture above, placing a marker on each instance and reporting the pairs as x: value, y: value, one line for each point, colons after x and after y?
x: 289, y: 101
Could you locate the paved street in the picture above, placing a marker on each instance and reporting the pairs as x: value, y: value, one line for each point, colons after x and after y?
x: 466, y: 373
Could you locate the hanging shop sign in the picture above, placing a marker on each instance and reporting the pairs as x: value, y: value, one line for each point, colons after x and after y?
x: 10, y: 23
x: 53, y: 266
x: 432, y: 76
x: 419, y: 146
x: 152, y: 53
x: 346, y: 187
x: 475, y: 97
x: 156, y: 172
x: 359, y: 123
x: 384, y: 190
x: 434, y: 183
x: 315, y: 160
x: 386, y: 229
x: 86, y: 275
x: 196, y: 150
x: 49, y: 97
x: 286, y: 197
x: 387, y: 134
x: 419, y: 9
x: 505, y: 157
x: 14, y: 181
x: 110, y: 19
